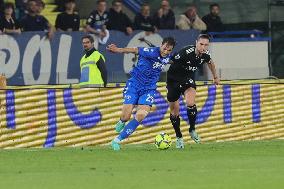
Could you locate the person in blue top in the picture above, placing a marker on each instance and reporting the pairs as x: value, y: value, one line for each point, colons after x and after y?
x: 141, y: 87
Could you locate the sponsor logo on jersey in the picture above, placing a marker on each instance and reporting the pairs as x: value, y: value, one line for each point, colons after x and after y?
x: 177, y: 57
x: 166, y: 60
x: 191, y: 68
x: 158, y: 65
x: 129, y: 131
x: 127, y: 97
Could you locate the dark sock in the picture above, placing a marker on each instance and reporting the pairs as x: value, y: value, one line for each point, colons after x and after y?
x: 191, y: 114
x: 176, y: 124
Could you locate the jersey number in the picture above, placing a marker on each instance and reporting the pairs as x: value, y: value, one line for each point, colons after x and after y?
x: 150, y: 98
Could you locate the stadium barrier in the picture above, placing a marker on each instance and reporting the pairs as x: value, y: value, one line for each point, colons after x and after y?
x: 86, y: 116
x: 32, y: 59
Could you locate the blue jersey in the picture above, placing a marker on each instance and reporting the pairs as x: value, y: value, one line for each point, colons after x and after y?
x: 149, y: 66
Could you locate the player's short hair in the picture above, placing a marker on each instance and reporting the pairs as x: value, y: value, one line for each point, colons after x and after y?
x: 145, y: 4
x: 88, y: 37
x: 32, y: 1
x: 192, y: 5
x: 116, y: 1
x: 70, y: 1
x: 101, y: 1
x: 169, y: 41
x: 214, y: 5
x: 9, y: 5
x: 204, y: 36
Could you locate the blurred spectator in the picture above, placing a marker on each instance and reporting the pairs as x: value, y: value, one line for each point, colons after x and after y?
x: 213, y: 20
x: 8, y: 23
x: 143, y: 20
x: 117, y: 19
x: 20, y: 8
x: 33, y: 21
x: 164, y: 17
x: 68, y: 20
x: 190, y: 20
x: 96, y: 23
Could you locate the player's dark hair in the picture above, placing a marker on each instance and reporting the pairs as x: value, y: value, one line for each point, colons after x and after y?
x: 145, y: 5
x: 101, y: 1
x: 9, y: 5
x: 32, y: 1
x: 116, y: 1
x: 88, y: 37
x: 204, y: 36
x: 214, y: 5
x: 192, y: 5
x: 70, y: 1
x: 170, y: 41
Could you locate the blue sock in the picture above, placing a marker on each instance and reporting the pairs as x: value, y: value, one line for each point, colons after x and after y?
x: 128, y: 129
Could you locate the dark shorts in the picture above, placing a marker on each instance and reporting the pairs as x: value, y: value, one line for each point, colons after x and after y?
x: 175, y: 90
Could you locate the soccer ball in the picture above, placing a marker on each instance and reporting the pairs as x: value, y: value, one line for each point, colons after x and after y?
x: 163, y: 141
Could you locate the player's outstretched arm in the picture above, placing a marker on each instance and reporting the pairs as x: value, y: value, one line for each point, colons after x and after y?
x: 212, y: 68
x: 114, y: 49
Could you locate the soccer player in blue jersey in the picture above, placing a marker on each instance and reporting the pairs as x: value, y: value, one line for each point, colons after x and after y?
x: 141, y: 87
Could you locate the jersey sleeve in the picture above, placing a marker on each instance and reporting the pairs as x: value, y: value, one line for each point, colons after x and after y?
x: 146, y: 52
x: 91, y: 19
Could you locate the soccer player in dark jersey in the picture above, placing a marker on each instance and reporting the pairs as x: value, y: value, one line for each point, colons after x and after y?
x: 181, y: 81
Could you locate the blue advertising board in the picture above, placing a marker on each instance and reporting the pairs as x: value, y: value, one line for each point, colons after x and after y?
x: 30, y: 58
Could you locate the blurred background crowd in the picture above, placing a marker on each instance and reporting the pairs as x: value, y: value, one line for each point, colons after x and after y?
x: 99, y: 16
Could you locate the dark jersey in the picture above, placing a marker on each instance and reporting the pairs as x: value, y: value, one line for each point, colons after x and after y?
x: 34, y: 23
x: 97, y: 21
x: 66, y: 21
x: 10, y: 24
x: 185, y: 63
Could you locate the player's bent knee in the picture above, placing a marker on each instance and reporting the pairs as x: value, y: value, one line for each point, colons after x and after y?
x: 125, y: 117
x: 175, y: 113
x: 141, y: 114
x: 174, y: 108
x: 190, y: 102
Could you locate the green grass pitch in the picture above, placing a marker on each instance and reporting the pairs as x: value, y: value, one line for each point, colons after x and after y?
x: 233, y: 165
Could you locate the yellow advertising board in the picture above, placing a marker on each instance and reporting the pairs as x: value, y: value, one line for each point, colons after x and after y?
x: 84, y: 117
